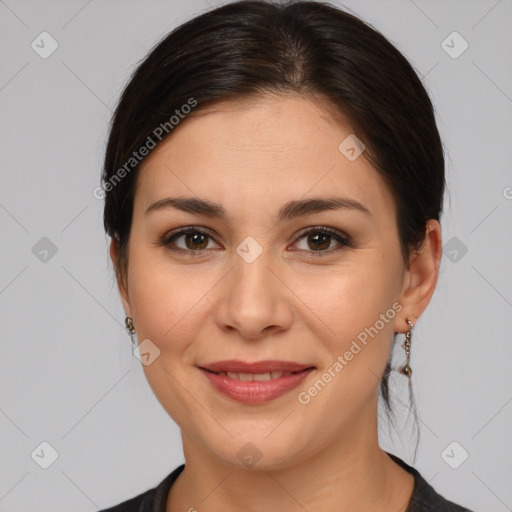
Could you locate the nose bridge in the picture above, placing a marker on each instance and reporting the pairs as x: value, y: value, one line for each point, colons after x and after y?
x: 251, y: 277
x: 253, y: 299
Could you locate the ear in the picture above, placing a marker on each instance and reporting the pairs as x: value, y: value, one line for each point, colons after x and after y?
x: 121, y: 283
x: 420, y: 279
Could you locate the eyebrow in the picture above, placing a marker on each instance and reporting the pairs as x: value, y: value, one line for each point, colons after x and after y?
x: 290, y: 210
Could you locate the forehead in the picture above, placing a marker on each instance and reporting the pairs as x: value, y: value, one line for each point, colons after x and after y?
x: 259, y: 153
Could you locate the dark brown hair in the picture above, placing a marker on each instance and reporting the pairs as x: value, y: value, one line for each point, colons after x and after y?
x: 307, y: 47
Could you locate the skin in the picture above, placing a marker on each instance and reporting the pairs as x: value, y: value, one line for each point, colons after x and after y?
x: 252, y: 157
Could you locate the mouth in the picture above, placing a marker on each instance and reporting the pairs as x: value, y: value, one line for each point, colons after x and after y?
x: 248, y: 377
x: 256, y: 368
x: 255, y: 383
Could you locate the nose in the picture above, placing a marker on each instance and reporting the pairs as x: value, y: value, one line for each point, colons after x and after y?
x: 254, y: 300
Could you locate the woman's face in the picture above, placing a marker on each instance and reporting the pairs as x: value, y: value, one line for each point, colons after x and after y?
x: 263, y: 283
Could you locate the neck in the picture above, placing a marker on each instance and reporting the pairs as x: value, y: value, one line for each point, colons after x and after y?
x: 352, y: 474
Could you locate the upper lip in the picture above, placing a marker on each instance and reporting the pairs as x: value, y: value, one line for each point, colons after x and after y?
x: 237, y: 366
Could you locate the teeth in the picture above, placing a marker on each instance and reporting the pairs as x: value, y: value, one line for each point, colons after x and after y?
x: 255, y: 376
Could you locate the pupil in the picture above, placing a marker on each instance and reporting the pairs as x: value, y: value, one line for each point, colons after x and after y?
x: 196, y: 237
x: 316, y: 237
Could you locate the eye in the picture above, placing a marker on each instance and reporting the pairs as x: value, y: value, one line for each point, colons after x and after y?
x: 319, y: 240
x: 195, y: 240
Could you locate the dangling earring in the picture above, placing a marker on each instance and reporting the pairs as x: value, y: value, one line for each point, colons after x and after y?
x: 406, y: 369
x: 131, y: 329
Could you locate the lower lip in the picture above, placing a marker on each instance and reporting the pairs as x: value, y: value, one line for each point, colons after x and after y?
x: 255, y: 392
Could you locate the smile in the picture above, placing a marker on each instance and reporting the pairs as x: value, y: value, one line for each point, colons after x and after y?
x: 261, y: 382
x: 246, y: 377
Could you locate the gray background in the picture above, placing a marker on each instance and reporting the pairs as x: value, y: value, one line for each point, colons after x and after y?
x: 67, y: 374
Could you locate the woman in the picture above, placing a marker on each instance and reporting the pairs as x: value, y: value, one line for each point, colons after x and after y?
x: 274, y: 182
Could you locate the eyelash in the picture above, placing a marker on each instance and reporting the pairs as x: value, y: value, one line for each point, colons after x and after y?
x: 168, y: 240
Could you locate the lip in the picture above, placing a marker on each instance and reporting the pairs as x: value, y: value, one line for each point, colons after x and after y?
x: 237, y: 366
x: 255, y: 392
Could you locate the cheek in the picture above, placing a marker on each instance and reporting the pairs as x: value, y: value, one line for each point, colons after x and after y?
x: 355, y: 311
x: 168, y: 303
x: 358, y: 308
x: 154, y: 296
x: 351, y: 298
x: 166, y: 306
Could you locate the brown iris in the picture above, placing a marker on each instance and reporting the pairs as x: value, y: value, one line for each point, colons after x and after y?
x: 319, y: 236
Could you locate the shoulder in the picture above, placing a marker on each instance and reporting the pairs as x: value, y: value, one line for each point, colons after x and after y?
x: 140, y: 503
x: 152, y: 500
x: 424, y: 497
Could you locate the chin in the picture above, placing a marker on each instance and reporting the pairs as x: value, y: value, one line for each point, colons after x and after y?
x: 258, y: 453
